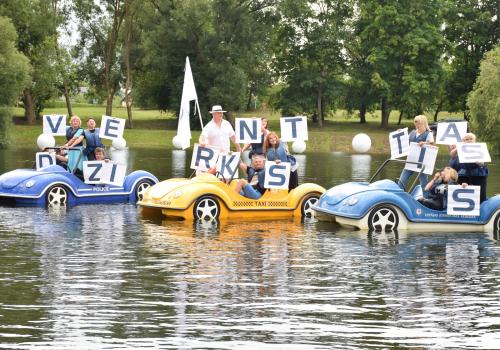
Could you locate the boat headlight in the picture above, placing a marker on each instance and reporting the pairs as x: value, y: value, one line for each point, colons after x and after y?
x: 30, y: 183
x: 177, y: 194
x: 352, y: 201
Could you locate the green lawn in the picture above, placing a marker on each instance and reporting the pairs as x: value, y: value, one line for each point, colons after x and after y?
x: 155, y: 129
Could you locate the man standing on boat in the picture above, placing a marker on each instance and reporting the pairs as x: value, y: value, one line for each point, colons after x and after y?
x: 218, y: 132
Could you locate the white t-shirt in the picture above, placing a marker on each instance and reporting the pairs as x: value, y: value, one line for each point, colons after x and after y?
x: 218, y: 137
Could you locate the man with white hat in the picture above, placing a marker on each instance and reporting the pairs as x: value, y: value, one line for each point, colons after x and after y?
x: 218, y: 132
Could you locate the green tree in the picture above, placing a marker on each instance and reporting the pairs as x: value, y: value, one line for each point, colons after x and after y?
x: 472, y: 28
x: 484, y: 101
x: 36, y: 24
x: 14, y: 75
x: 309, y: 54
x: 227, y: 41
x: 100, y: 22
x: 405, y: 44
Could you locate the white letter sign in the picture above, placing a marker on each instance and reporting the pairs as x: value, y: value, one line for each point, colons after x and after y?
x: 44, y: 159
x: 204, y: 158
x: 227, y: 165
x: 100, y: 172
x: 248, y: 130
x: 473, y: 152
x: 400, y: 143
x: 293, y: 128
x: 277, y: 175
x: 463, y: 201
x: 450, y: 133
x: 426, y: 155
x: 54, y: 124
x: 111, y: 128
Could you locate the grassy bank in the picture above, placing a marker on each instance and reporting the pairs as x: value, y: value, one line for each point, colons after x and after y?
x: 155, y: 129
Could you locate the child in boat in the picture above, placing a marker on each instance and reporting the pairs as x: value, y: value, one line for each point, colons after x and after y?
x: 438, y: 189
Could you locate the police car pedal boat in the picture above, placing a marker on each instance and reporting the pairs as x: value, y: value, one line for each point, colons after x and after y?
x: 384, y: 206
x: 54, y: 186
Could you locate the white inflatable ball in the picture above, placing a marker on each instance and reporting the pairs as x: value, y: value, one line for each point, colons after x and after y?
x: 119, y: 143
x: 361, y: 143
x: 245, y: 157
x: 45, y: 140
x: 176, y: 141
x: 298, y: 146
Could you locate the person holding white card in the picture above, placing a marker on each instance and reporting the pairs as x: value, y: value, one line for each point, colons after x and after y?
x: 438, y: 189
x: 422, y: 135
x: 218, y: 132
x: 74, y: 137
x: 276, y: 150
x: 472, y: 173
x: 257, y: 148
x: 253, y: 187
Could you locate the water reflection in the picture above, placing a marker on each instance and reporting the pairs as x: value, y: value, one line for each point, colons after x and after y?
x: 361, y: 167
x: 178, y: 163
x: 106, y: 276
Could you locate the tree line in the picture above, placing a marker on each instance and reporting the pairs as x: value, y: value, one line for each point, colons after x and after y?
x: 298, y: 56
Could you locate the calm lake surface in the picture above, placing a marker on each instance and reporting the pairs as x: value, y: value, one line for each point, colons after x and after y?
x: 106, y: 277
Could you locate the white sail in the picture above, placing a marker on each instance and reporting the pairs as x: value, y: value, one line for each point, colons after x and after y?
x: 188, y: 95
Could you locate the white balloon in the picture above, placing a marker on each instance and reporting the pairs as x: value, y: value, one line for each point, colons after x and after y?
x: 361, y: 143
x: 298, y: 146
x: 176, y: 141
x: 245, y: 157
x: 119, y: 143
x: 45, y: 140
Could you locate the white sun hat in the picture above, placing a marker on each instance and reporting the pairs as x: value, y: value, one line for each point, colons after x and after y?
x: 217, y: 108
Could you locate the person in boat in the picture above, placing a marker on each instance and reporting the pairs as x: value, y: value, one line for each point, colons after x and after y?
x: 218, y: 132
x: 74, y: 140
x: 470, y: 173
x: 438, y: 189
x: 422, y: 135
x: 100, y: 154
x: 275, y: 150
x: 258, y: 148
x: 92, y: 140
x: 253, y: 187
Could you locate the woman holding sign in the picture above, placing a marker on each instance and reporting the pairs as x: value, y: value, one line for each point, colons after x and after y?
x: 470, y: 173
x: 275, y: 150
x: 74, y: 137
x: 422, y: 135
x: 258, y: 148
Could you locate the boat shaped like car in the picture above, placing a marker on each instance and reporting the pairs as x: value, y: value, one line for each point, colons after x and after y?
x: 384, y: 206
x: 54, y: 185
x: 206, y: 197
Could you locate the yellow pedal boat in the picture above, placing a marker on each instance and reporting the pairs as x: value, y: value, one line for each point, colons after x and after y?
x: 206, y: 197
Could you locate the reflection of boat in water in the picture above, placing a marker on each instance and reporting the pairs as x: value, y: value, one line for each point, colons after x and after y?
x: 206, y: 197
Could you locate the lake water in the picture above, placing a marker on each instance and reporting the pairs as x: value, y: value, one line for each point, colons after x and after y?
x: 107, y: 277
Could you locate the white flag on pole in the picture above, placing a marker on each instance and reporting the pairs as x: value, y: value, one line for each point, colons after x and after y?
x: 188, y: 94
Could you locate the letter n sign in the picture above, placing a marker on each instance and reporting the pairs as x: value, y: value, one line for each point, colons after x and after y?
x: 111, y: 128
x: 463, y: 201
x: 293, y: 128
x: 248, y: 130
x: 277, y: 175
